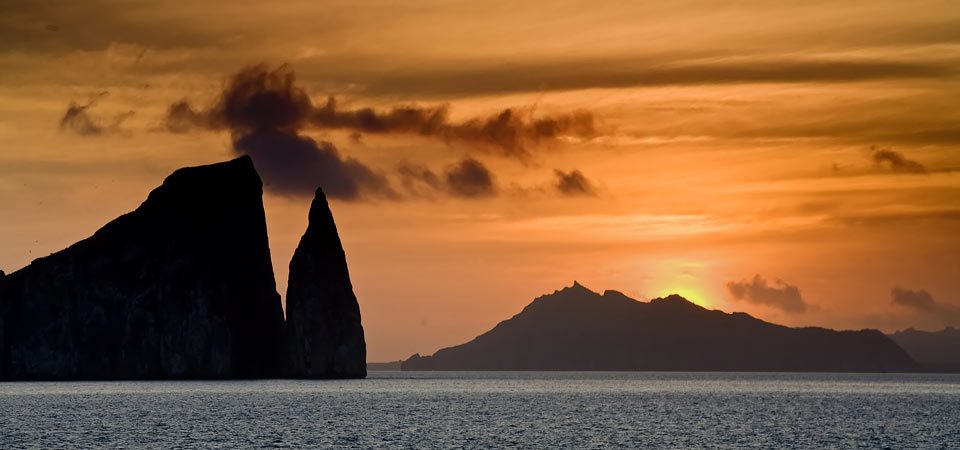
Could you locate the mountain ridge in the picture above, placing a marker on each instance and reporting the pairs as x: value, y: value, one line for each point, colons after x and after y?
x: 577, y: 329
x: 937, y: 351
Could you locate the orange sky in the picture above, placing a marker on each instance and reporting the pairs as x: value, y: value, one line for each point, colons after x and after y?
x: 817, y: 144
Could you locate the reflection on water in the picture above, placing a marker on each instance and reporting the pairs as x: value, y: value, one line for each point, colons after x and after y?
x: 492, y: 409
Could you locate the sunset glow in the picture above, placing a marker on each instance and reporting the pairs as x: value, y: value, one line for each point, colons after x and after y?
x: 793, y: 161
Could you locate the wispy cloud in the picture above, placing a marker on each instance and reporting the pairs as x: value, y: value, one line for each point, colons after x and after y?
x: 573, y: 183
x: 78, y: 119
x: 895, y: 161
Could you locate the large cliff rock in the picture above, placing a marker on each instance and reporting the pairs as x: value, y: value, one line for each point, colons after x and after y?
x: 577, y: 329
x: 323, y: 330
x: 182, y: 287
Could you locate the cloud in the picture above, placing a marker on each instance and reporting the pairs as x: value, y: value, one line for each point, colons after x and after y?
x: 412, y: 174
x: 923, y: 302
x: 265, y: 112
x: 291, y: 164
x: 631, y: 71
x: 258, y: 96
x: 896, y: 161
x: 782, y: 296
x: 77, y: 119
x: 573, y: 183
x: 467, y: 178
x: 470, y: 178
x: 947, y: 217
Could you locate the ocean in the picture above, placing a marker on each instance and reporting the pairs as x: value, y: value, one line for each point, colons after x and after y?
x: 492, y: 410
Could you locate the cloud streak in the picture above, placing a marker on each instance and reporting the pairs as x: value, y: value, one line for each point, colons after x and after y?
x: 78, y: 120
x: 783, y: 296
x: 895, y: 161
x: 270, y: 98
x: 627, y: 72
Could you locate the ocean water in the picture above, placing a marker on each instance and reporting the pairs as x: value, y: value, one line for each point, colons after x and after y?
x: 492, y: 410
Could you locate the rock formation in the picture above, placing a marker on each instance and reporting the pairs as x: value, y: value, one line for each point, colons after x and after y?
x: 183, y: 287
x: 577, y: 329
x: 323, y: 330
x: 937, y: 351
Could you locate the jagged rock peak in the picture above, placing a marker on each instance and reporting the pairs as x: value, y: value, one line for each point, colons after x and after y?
x: 576, y: 288
x: 323, y: 331
x: 675, y: 301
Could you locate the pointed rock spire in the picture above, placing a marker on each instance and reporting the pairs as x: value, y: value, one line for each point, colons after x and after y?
x: 323, y: 330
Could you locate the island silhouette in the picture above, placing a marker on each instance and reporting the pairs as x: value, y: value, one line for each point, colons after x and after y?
x: 937, y: 351
x: 578, y: 329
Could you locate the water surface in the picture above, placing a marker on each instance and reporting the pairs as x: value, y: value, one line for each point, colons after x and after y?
x: 492, y: 409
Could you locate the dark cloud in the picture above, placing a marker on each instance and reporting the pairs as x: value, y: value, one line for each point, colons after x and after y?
x: 265, y: 112
x: 895, y: 161
x: 573, y: 183
x: 291, y: 164
x: 921, y: 299
x: 77, y: 119
x: 254, y: 98
x: 259, y: 97
x: 467, y: 178
x: 782, y: 296
x: 470, y: 178
x: 923, y: 302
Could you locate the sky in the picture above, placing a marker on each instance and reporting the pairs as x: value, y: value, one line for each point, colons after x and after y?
x: 798, y: 161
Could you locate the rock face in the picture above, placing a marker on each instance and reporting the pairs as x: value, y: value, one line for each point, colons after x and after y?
x: 323, y: 330
x: 937, y: 351
x: 577, y: 329
x: 182, y: 287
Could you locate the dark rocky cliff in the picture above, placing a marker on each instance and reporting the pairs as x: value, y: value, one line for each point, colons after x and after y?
x: 577, y: 329
x: 323, y: 330
x: 182, y: 287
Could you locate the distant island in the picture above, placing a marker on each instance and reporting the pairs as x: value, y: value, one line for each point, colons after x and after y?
x: 578, y: 329
x: 384, y: 366
x: 936, y: 351
x: 183, y: 287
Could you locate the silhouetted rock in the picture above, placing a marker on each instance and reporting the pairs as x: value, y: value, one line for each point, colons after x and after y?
x: 577, y: 329
x: 182, y: 287
x: 937, y: 351
x: 382, y: 366
x: 323, y: 330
